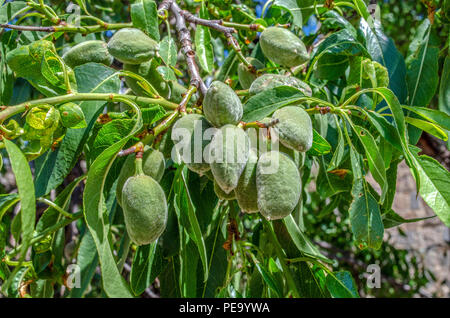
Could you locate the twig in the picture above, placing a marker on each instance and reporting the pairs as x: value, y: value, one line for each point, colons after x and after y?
x: 186, y: 98
x: 27, y: 28
x: 184, y: 37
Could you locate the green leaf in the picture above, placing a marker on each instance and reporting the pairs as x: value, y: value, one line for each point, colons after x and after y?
x: 335, y: 20
x: 148, y: 263
x: 25, y: 186
x: 169, y: 279
x: 168, y: 51
x: 144, y: 16
x: 444, y: 90
x: 24, y: 182
x: 167, y: 73
x: 422, y: 66
x: 268, y: 278
x: 228, y: 67
x: 382, y: 49
x: 189, y: 264
x: 374, y: 158
x: 338, y: 153
x: 361, y: 8
x: 87, y: 260
x: 16, y: 279
x: 42, y: 288
x: 341, y: 285
x: 299, y: 9
x: 109, y: 134
x: 400, y: 126
x: 392, y: 219
x: 196, y: 231
x: 53, y: 69
x: 432, y: 115
x: 385, y: 128
x: 9, y: 10
x: 308, y: 280
x: 94, y: 211
x: 331, y: 67
x: 52, y: 168
x: 265, y: 103
x: 6, y: 202
x: 343, y: 44
x: 153, y: 114
x: 434, y: 186
x: 217, y: 257
x: 203, y: 44
x: 320, y: 145
x: 430, y: 128
x: 97, y: 220
x: 301, y: 241
x: 367, y: 73
x: 365, y: 217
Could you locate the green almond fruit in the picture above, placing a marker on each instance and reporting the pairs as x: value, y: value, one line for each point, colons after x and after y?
x: 229, y: 152
x: 222, y: 195
x: 188, y: 135
x: 246, y: 193
x: 278, y: 185
x: 144, y: 209
x: 132, y: 46
x: 153, y: 165
x: 294, y: 128
x: 86, y: 52
x: 274, y: 143
x: 283, y: 47
x: 72, y: 116
x: 222, y: 105
x: 246, y: 77
x: 148, y: 71
x: 269, y: 81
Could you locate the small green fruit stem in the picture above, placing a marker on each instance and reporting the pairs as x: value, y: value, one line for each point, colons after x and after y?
x: 138, y: 164
x: 9, y: 111
x: 243, y: 92
x: 235, y: 46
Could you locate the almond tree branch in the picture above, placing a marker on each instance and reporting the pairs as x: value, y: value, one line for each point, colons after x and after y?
x: 184, y: 37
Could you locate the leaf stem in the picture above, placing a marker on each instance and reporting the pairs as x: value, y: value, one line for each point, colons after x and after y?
x: 56, y: 207
x: 13, y: 110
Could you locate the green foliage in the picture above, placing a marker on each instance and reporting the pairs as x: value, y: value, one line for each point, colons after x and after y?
x: 197, y: 117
